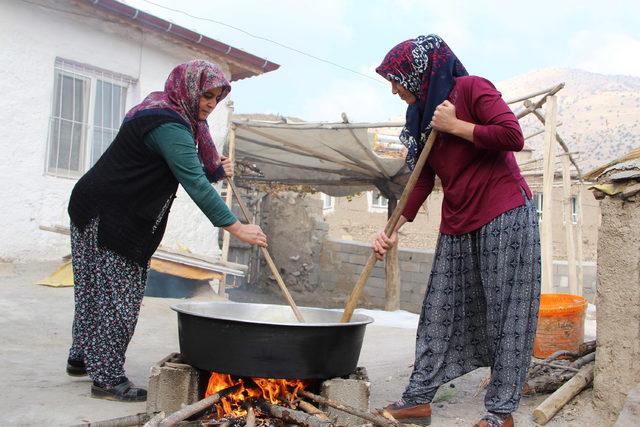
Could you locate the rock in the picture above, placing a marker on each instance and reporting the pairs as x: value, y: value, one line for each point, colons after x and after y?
x: 295, y: 258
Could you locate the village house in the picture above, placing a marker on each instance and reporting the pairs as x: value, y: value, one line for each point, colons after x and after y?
x: 95, y: 60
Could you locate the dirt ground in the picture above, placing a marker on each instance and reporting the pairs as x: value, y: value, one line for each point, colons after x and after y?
x: 35, y: 327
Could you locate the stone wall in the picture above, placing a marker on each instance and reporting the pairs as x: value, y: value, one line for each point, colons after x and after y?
x: 342, y: 261
x: 618, y: 300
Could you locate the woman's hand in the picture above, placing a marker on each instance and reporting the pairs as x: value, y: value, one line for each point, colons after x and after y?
x: 382, y: 243
x: 249, y: 233
x: 444, y: 118
x: 227, y: 165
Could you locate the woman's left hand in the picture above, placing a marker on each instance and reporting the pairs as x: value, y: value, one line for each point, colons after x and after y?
x: 227, y: 165
x: 444, y: 118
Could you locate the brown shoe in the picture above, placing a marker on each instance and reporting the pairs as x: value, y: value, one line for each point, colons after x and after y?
x: 493, y: 420
x: 419, y: 414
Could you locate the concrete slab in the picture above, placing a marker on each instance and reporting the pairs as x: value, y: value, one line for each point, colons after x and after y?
x: 35, y: 327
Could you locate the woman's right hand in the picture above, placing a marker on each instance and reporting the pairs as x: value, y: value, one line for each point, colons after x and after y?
x: 249, y: 233
x: 382, y: 243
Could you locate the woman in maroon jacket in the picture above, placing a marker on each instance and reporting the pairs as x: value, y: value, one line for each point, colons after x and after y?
x: 481, y: 305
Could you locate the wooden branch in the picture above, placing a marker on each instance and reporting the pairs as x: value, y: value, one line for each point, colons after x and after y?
x: 312, y: 125
x: 155, y: 421
x: 129, y: 420
x: 313, y: 410
x: 541, y: 101
x: 375, y: 419
x: 194, y: 408
x: 552, y: 404
x: 588, y: 358
x: 390, y: 227
x: 297, y: 417
x: 556, y: 365
x: 250, y: 420
x: 267, y: 257
x: 531, y: 95
x: 587, y: 347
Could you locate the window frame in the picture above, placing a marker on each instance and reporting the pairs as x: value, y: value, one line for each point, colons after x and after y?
x: 92, y: 75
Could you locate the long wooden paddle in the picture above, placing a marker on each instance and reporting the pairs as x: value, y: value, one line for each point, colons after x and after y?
x: 391, y: 225
x: 267, y: 257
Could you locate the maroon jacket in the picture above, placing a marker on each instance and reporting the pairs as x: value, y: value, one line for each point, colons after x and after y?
x: 480, y: 179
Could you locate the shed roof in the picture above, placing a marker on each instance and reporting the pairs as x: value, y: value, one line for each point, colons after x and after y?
x: 335, y: 158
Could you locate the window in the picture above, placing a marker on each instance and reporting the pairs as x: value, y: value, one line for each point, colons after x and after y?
x: 88, y: 107
x: 574, y: 210
x: 378, y: 201
x: 328, y: 202
x: 538, y: 203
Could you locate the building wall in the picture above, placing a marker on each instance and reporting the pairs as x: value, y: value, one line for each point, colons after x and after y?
x: 31, y: 37
x: 354, y: 219
x: 617, y: 369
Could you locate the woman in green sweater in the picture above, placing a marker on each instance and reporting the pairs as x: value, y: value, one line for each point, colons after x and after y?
x: 119, y: 212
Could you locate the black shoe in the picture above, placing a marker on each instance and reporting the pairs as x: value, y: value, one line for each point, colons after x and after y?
x: 76, y: 368
x: 122, y: 392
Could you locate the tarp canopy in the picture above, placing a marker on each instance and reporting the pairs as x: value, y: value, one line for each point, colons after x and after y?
x: 335, y: 158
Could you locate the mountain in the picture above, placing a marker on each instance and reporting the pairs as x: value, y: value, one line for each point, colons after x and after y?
x: 600, y: 114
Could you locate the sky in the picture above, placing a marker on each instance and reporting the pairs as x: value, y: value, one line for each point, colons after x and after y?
x: 494, y: 39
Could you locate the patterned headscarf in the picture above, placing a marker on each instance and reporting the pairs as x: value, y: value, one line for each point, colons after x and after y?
x: 427, y: 68
x: 182, y: 91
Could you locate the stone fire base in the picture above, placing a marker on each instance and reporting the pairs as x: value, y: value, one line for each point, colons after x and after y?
x: 173, y: 384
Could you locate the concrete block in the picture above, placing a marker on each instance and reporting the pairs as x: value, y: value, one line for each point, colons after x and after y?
x: 410, y: 266
x: 375, y: 292
x: 357, y: 259
x: 353, y: 391
x: 172, y: 384
x: 630, y: 414
x: 375, y: 282
x: 379, y: 272
x: 425, y: 267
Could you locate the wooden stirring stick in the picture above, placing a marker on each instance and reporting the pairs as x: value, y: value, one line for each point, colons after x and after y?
x: 388, y: 230
x: 267, y: 257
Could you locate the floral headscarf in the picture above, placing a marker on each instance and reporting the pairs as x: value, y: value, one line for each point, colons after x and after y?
x: 182, y: 91
x: 427, y: 68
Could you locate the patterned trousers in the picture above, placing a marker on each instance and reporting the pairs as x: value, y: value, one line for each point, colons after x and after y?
x: 481, y: 309
x: 108, y: 291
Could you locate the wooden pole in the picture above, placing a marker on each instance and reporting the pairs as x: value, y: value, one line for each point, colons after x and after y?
x: 391, y: 225
x: 267, y: 257
x: 392, y: 269
x: 579, y: 240
x: 568, y: 226
x: 552, y: 404
x: 546, y: 234
x: 228, y: 198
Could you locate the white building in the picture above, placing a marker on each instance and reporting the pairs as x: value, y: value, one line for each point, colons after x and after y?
x: 70, y: 71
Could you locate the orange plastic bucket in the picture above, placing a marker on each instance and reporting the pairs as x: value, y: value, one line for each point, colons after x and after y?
x: 560, y: 324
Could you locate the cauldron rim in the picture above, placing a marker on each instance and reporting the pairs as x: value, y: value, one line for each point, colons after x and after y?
x: 185, y: 308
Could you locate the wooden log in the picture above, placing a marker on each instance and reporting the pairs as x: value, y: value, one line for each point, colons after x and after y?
x: 389, y: 228
x: 546, y: 232
x: 129, y: 420
x: 297, y: 417
x: 547, y: 409
x: 194, y: 408
x: 250, y: 420
x: 156, y: 420
x: 313, y: 410
x: 587, y: 347
x: 375, y: 419
x: 557, y: 366
x: 588, y: 358
x: 567, y: 202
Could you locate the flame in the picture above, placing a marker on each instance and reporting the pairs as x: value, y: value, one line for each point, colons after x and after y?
x: 273, y: 390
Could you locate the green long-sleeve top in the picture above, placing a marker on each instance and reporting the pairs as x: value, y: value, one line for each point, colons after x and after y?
x: 175, y: 144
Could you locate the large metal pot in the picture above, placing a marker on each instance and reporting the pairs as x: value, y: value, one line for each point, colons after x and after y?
x: 259, y: 340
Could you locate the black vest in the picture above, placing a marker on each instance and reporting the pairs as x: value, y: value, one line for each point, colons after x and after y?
x: 127, y: 189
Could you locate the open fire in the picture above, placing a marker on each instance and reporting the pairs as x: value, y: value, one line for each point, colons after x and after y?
x: 275, y: 391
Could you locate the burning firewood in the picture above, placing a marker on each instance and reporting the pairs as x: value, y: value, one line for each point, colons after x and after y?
x: 310, y: 409
x: 375, y: 419
x: 297, y: 417
x: 192, y: 409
